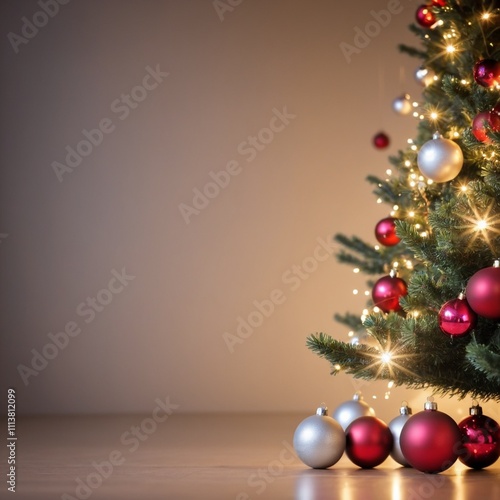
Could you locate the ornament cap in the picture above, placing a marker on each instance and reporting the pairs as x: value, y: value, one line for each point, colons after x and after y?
x: 496, y: 263
x: 357, y: 397
x: 393, y: 273
x: 475, y: 409
x: 322, y: 410
x: 461, y: 296
x: 405, y: 409
x: 437, y: 135
x: 430, y: 405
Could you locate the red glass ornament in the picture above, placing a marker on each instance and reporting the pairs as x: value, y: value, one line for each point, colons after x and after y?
x: 487, y: 72
x: 425, y: 17
x: 456, y: 318
x: 430, y: 440
x: 385, y: 232
x: 480, y: 439
x: 368, y: 442
x: 439, y: 3
x: 483, y: 292
x: 387, y: 292
x: 381, y: 140
x: 483, y: 120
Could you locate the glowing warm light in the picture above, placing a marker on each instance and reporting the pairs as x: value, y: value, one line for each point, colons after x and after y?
x: 388, y: 171
x: 386, y: 357
x: 390, y: 385
x: 350, y: 334
x: 355, y: 291
x: 407, y: 163
x: 485, y: 16
x: 376, y: 309
x: 379, y: 200
x: 411, y: 214
x: 336, y: 367
x: 355, y: 270
x: 434, y: 115
x: 415, y: 114
x: 450, y: 49
x: 424, y: 234
x: 481, y: 225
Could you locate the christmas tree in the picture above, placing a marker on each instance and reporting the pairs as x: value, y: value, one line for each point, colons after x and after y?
x: 434, y: 318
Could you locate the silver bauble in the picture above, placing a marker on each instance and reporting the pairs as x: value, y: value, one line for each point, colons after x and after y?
x: 402, y: 105
x: 349, y: 411
x: 425, y: 76
x: 319, y: 440
x: 396, y: 426
x: 440, y: 159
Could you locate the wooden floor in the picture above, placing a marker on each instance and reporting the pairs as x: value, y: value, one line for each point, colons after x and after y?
x: 237, y: 457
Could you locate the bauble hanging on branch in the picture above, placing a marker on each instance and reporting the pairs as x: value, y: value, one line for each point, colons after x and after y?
x: 425, y: 17
x: 387, y: 291
x: 381, y: 140
x: 385, y: 232
x: 484, y: 120
x: 456, y: 318
x: 440, y: 159
x: 425, y: 76
x: 487, y: 72
x: 402, y: 104
x: 483, y: 291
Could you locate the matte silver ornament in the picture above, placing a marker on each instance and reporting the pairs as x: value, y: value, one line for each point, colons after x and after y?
x: 440, y: 159
x: 396, y: 426
x: 425, y: 76
x: 349, y: 411
x: 402, y: 105
x: 319, y: 440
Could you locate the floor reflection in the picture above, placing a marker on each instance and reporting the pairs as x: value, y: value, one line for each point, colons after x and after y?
x: 390, y: 484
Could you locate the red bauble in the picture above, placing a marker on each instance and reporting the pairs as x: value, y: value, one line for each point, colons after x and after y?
x: 439, y: 3
x: 381, y: 140
x: 483, y: 292
x: 425, y: 17
x: 368, y: 442
x: 456, y: 318
x: 387, y: 291
x: 485, y: 119
x: 385, y: 232
x: 487, y: 72
x: 480, y: 439
x: 430, y: 440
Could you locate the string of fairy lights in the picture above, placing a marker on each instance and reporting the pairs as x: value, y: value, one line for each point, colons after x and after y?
x: 481, y: 225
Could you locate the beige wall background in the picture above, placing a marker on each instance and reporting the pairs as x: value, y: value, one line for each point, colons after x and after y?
x: 163, y: 333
